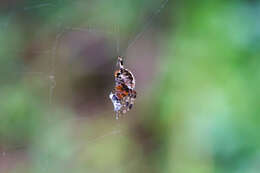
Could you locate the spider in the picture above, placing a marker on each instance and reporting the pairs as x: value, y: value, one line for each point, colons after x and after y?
x: 123, y: 95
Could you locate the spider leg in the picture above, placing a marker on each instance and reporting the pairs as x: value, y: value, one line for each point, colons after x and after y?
x: 130, y: 106
x: 120, y: 62
x: 117, y: 115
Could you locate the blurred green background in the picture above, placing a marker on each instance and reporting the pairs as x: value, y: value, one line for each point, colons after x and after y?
x: 197, y: 70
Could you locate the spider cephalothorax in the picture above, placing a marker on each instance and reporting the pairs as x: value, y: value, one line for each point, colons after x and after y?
x: 123, y: 95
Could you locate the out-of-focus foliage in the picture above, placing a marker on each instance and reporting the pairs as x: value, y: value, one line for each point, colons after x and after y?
x: 197, y: 72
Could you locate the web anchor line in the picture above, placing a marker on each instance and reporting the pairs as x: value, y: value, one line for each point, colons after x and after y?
x: 146, y: 25
x: 118, y: 41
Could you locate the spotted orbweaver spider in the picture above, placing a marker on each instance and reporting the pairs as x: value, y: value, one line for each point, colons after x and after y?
x: 123, y: 95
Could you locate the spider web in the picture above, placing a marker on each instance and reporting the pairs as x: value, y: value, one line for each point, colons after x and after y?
x: 63, y: 30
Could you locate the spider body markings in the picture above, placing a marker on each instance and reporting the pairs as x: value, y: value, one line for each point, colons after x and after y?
x: 123, y: 95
